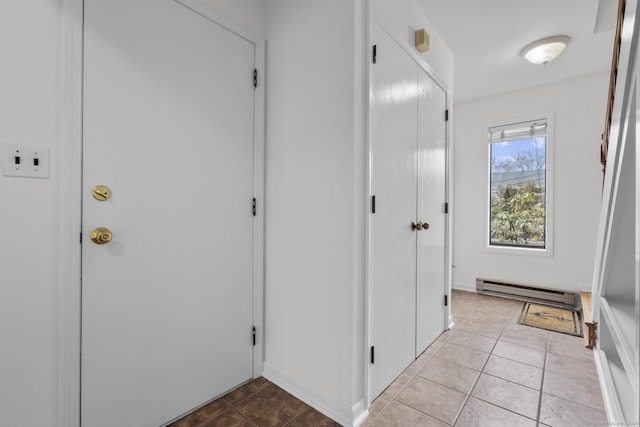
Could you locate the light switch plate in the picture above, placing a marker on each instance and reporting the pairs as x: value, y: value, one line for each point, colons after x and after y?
x: 25, y: 160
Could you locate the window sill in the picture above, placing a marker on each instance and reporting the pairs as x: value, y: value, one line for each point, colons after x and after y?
x: 546, y: 252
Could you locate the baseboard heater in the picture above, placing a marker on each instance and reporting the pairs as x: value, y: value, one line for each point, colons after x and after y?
x: 559, y: 298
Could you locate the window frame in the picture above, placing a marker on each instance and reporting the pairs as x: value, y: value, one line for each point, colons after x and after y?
x: 549, y: 188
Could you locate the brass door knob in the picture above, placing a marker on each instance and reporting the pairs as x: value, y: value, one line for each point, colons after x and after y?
x: 425, y: 225
x: 101, y: 235
x: 101, y: 192
x: 415, y: 226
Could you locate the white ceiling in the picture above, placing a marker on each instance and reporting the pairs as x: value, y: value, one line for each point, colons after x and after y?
x: 486, y: 37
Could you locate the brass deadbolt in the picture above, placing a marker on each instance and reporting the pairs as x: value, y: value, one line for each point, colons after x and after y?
x: 101, y: 192
x: 101, y: 235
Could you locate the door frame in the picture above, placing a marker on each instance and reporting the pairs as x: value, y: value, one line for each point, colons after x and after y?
x: 70, y: 203
x: 372, y: 19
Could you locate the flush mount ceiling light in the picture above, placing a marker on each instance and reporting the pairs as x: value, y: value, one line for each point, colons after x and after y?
x: 545, y: 50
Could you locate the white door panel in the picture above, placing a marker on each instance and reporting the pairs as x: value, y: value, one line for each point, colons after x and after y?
x: 393, y: 182
x: 168, y: 126
x: 430, y: 288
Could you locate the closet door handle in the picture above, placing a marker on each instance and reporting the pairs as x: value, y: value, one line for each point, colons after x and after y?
x: 425, y: 225
x: 415, y: 226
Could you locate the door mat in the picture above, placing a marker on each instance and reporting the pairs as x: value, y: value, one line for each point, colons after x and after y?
x: 551, y: 318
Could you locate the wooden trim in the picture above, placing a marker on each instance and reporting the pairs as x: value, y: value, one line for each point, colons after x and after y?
x: 615, y: 60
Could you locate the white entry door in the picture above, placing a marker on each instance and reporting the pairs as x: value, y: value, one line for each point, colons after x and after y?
x: 432, y: 172
x: 408, y: 176
x: 167, y: 309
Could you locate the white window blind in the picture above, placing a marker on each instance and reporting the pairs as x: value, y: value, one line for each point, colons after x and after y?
x: 516, y: 131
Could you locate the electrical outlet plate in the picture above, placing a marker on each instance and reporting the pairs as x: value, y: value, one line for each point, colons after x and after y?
x: 25, y: 160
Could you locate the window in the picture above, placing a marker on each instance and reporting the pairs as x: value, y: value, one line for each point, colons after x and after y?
x: 519, y: 185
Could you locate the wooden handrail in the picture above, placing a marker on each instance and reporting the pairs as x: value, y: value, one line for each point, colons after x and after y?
x: 604, y: 147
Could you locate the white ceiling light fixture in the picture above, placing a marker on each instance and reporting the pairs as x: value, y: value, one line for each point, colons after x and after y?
x: 546, y: 50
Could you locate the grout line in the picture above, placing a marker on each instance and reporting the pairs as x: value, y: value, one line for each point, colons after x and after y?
x: 309, y: 408
x: 544, y: 368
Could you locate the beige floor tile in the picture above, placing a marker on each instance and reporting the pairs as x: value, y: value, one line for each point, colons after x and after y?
x: 555, y: 411
x: 486, y: 329
x: 399, y: 415
x: 434, y: 347
x: 433, y: 399
x: 375, y: 409
x: 477, y: 413
x: 511, y: 396
x: 526, y: 336
x: 419, y: 362
x: 467, y: 339
x: 571, y: 365
x: 513, y: 371
x: 584, y: 390
x: 519, y: 353
x: 570, y: 346
x: 398, y: 384
x: 464, y: 356
x: 449, y: 374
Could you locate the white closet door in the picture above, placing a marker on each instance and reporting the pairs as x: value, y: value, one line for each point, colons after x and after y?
x: 431, y: 278
x: 393, y: 182
x: 167, y: 304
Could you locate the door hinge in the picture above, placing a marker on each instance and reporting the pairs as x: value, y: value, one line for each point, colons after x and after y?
x: 373, y: 354
x: 446, y: 115
x: 253, y: 335
x: 446, y: 300
x: 375, y: 53
x: 373, y: 204
x: 80, y: 238
x: 255, y: 77
x: 446, y: 207
x: 255, y: 210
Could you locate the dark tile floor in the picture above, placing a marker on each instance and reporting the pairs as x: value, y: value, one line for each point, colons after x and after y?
x: 257, y: 403
x: 486, y: 371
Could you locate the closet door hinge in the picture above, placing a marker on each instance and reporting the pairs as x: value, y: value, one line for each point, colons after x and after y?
x: 446, y: 207
x: 255, y: 211
x: 446, y: 300
x: 373, y: 204
x: 446, y: 115
x: 80, y: 237
x: 255, y: 77
x: 375, y: 53
x: 373, y: 353
x: 253, y: 335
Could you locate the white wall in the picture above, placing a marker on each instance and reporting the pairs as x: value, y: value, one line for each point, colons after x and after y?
x: 28, y: 220
x: 248, y: 14
x: 579, y: 109
x: 314, y: 200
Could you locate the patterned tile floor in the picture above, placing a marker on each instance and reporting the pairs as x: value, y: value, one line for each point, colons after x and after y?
x: 486, y: 371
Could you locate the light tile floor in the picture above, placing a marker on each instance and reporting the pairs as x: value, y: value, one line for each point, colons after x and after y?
x: 486, y: 371
x: 490, y: 371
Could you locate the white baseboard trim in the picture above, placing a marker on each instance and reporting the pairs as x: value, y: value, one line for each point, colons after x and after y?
x: 451, y: 322
x: 464, y: 286
x: 345, y: 415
